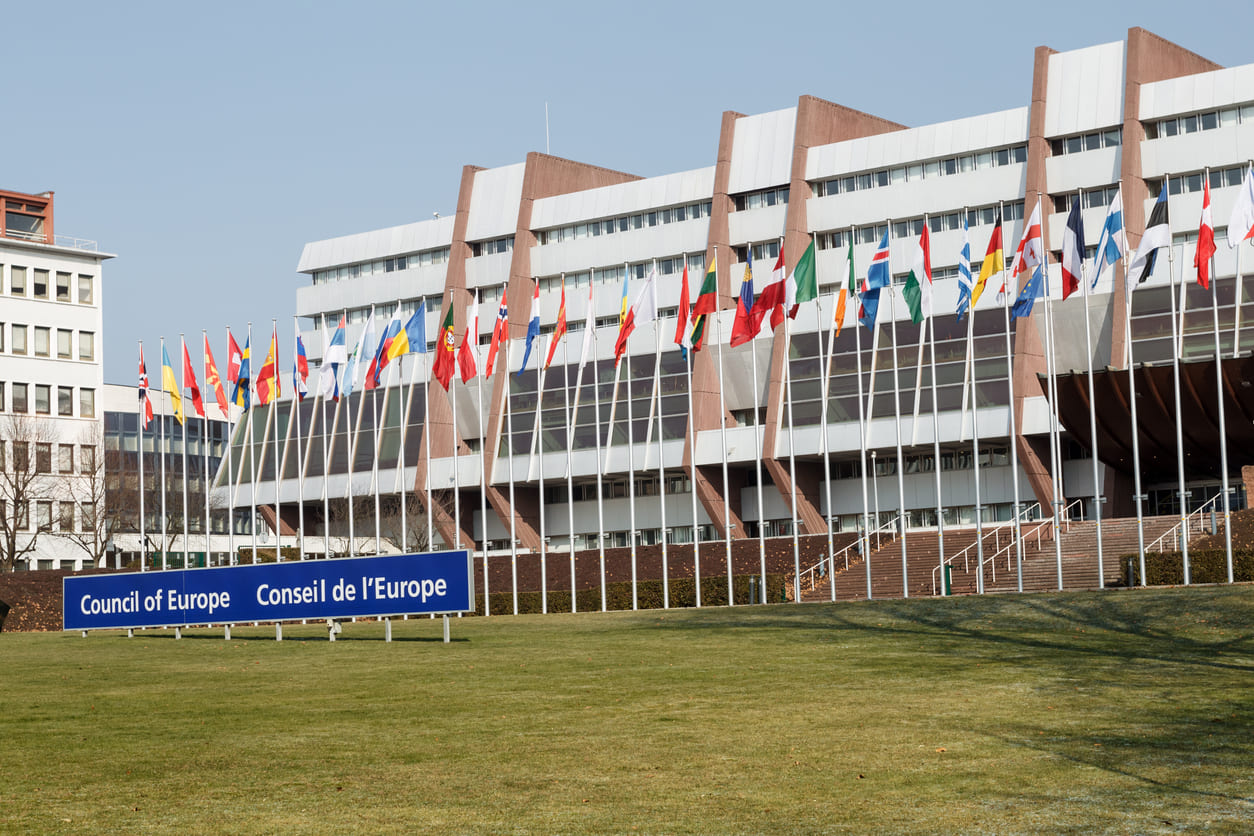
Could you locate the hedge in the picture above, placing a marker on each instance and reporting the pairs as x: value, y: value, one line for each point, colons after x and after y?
x: 1205, y: 566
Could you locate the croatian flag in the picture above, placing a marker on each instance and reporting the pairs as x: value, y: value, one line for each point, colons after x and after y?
x: 533, y: 327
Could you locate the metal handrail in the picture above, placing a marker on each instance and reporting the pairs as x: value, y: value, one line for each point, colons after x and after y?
x: 1174, y: 531
x: 845, y: 551
x: 994, y: 532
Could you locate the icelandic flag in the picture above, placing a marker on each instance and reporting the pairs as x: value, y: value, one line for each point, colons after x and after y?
x: 533, y: 328
x: 877, y: 278
x: 1111, y: 244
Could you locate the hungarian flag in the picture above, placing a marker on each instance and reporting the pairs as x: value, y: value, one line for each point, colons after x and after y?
x: 189, y: 382
x: 212, y: 380
x: 918, y: 289
x: 268, y: 388
x: 743, y: 329
x: 994, y: 262
x: 170, y: 385
x: 468, y: 354
x: 643, y: 311
x: 706, y: 304
x: 559, y: 329
x: 145, y: 403
x: 772, y: 297
x: 845, y: 291
x: 1205, y: 241
x: 445, y: 346
x: 1072, y: 250
x: 803, y: 284
x: 500, y: 333
x: 683, y: 338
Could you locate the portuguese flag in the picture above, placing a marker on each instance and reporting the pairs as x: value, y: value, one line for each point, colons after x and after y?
x: 445, y: 363
x: 707, y: 303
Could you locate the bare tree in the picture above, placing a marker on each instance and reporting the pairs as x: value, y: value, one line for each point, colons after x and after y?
x: 24, y: 479
x: 86, y: 489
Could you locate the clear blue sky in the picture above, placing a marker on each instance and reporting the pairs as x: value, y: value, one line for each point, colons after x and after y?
x: 205, y: 144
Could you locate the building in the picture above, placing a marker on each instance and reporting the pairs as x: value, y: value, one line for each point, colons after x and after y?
x: 1137, y: 115
x: 51, y: 378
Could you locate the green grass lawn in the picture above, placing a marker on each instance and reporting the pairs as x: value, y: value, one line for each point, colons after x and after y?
x: 1122, y: 712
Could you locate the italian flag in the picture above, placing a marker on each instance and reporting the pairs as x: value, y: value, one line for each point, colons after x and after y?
x: 918, y: 289
x: 445, y: 364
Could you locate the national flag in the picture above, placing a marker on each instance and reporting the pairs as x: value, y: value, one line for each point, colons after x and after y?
x: 468, y: 353
x: 994, y: 262
x: 300, y: 370
x: 743, y: 329
x: 213, y: 381
x: 145, y: 403
x: 1027, y: 297
x: 965, y: 282
x: 772, y: 297
x: 878, y: 277
x: 1072, y: 250
x: 335, y: 355
x: 1030, y: 252
x: 416, y: 330
x: 706, y: 304
x: 1111, y: 244
x: 1205, y: 241
x: 642, y: 312
x: 189, y: 382
x: 683, y: 337
x: 559, y: 330
x: 500, y: 333
x: 918, y: 289
x: 622, y: 303
x: 803, y: 284
x: 268, y: 376
x: 170, y: 385
x: 398, y: 346
x: 846, y: 290
x: 533, y: 327
x: 444, y: 365
x: 234, y: 359
x: 1241, y: 221
x: 365, y: 338
x: 590, y: 324
x: 242, y: 395
x: 1157, y: 235
x: 383, y: 351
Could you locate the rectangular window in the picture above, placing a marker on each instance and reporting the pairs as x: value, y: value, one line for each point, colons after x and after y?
x: 41, y: 341
x: 89, y: 516
x: 65, y: 343
x: 19, y: 398
x: 65, y: 511
x: 43, y: 457
x: 86, y: 345
x: 40, y: 284
x: 65, y: 458
x: 19, y: 339
x: 43, y: 399
x: 63, y: 287
x: 21, y: 456
x: 65, y: 401
x: 2, y: 405
x: 17, y: 281
x: 86, y: 403
x: 43, y: 515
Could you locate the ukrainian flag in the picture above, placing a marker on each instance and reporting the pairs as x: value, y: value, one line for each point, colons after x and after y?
x: 170, y: 385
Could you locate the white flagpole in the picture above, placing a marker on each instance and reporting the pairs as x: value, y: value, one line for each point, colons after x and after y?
x: 901, y: 478
x: 596, y: 408
x: 186, y: 520
x: 864, y: 421
x: 426, y: 436
x: 918, y: 366
x: 509, y: 446
x: 1136, y: 434
x: 661, y: 463
x: 759, y: 443
x: 1055, y: 441
x: 631, y: 480
x: 722, y: 423
x: 692, y: 482
x: 825, y: 446
x: 1175, y: 374
x: 350, y: 444
x: 975, y: 446
x: 538, y: 445
x: 143, y: 522
x: 570, y: 479
x: 300, y: 452
x: 230, y: 465
x: 1010, y: 387
x: 374, y: 459
x: 936, y: 455
x: 278, y: 472
x: 457, y: 487
x: 406, y: 394
x: 252, y: 443
x: 164, y: 536
x: 204, y: 447
x: 1088, y: 358
x: 326, y: 457
x: 1223, y: 427
x: 792, y: 465
x: 480, y: 416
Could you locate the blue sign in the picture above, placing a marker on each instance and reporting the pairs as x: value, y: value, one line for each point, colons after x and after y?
x: 441, y: 582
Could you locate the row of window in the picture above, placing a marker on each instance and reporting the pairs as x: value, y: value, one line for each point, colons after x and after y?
x: 20, y: 403
x: 921, y: 171
x: 44, y: 521
x: 1194, y: 122
x: 39, y: 287
x: 1092, y: 141
x: 1195, y: 182
x: 909, y: 227
x: 761, y: 199
x: 1095, y: 198
x: 387, y: 265
x: 626, y: 223
x: 500, y: 245
x: 17, y: 455
x: 41, y: 344
x: 617, y: 273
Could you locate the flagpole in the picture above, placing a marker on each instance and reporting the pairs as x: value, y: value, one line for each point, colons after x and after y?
x: 457, y: 487
x: 538, y: 444
x: 936, y: 455
x: 426, y: 437
x: 509, y: 446
x: 631, y: 479
x: 864, y: 421
x: 1175, y: 374
x: 351, y: 446
x: 692, y: 481
x: 143, y: 522
x: 230, y: 464
x: 792, y: 463
x: 759, y: 444
x: 901, y: 478
x: 1223, y: 428
x: 570, y: 478
x: 300, y: 452
x: 186, y: 520
x: 596, y: 406
x: 374, y: 457
x: 326, y: 456
x: 661, y: 463
x: 1014, y: 453
x: 483, y: 464
x: 722, y: 422
x: 975, y: 448
x: 406, y: 394
x: 204, y: 449
x: 1088, y: 357
x: 1055, y: 441
x: 824, y: 449
x: 1136, y: 434
x: 161, y: 428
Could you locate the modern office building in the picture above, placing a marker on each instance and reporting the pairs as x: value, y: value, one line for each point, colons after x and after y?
x: 1131, y: 118
x: 51, y: 378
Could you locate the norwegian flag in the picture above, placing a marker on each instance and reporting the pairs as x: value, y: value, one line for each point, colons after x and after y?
x: 499, y: 332
x: 144, y: 401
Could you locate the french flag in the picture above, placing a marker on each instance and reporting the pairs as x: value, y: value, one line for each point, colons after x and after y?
x: 1072, y: 250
